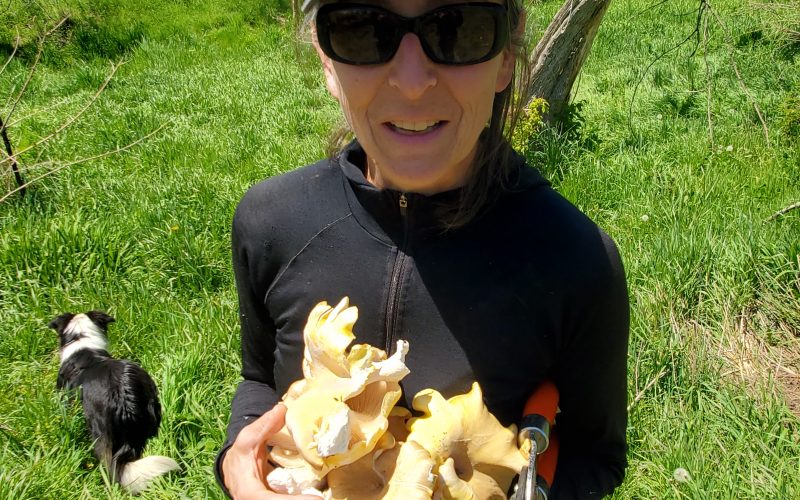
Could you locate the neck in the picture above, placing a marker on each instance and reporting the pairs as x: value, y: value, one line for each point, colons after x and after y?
x: 80, y: 345
x: 373, y: 174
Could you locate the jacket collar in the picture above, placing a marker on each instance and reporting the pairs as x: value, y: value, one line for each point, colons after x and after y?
x: 378, y: 210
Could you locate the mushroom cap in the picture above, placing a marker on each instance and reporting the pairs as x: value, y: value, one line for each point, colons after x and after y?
x: 479, y: 486
x: 337, y: 413
x: 462, y: 430
x: 402, y: 471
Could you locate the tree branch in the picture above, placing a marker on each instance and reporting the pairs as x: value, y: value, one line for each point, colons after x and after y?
x: 17, y: 41
x: 45, y: 109
x: 739, y: 75
x: 658, y: 58
x: 709, y: 84
x: 783, y: 211
x: 11, y: 158
x: 74, y: 117
x: 647, y: 386
x: 39, y: 52
x: 81, y: 160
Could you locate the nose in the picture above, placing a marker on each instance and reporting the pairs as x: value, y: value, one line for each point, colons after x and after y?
x: 411, y: 72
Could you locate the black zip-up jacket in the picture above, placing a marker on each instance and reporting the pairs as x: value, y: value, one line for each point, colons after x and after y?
x: 530, y: 290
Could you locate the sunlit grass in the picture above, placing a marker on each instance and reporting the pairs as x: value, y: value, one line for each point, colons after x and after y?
x: 715, y: 289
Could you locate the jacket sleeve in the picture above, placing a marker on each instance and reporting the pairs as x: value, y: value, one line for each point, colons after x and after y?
x: 256, y: 393
x: 592, y: 382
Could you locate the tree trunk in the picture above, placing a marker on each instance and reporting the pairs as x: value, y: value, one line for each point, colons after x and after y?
x: 559, y: 55
x: 12, y: 161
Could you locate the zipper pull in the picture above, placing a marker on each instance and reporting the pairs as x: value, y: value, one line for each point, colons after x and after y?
x: 403, y: 204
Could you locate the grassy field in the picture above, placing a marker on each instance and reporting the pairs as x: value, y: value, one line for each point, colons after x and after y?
x: 668, y: 153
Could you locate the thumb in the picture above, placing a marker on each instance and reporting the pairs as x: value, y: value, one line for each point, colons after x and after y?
x: 264, y: 426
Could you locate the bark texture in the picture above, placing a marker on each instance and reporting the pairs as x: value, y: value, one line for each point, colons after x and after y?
x: 559, y: 55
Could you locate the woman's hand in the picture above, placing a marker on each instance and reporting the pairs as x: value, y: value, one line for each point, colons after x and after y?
x: 245, y: 466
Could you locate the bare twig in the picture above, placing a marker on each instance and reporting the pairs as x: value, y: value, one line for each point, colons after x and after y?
x: 782, y: 211
x: 691, y: 35
x: 739, y: 76
x: 38, y: 111
x: 39, y: 52
x: 54, y: 28
x: 81, y: 160
x: 649, y: 9
x: 649, y: 384
x: 15, y: 100
x: 17, y: 41
x: 74, y: 117
x: 11, y: 158
x: 709, y: 83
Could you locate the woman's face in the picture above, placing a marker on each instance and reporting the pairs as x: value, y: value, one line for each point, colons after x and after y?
x: 418, y: 121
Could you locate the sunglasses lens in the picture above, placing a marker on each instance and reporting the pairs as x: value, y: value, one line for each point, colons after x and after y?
x: 461, y: 35
x: 358, y: 35
x: 455, y: 34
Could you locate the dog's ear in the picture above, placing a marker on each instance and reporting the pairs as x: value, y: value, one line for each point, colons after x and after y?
x: 59, y: 322
x: 100, y: 318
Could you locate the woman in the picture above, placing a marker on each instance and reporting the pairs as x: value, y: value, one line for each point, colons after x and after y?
x: 440, y: 234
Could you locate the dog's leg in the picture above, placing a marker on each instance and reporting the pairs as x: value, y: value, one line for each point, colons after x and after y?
x: 102, y: 450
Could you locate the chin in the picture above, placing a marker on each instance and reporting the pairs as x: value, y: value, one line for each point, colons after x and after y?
x: 427, y: 185
x: 418, y: 175
x: 120, y: 400
x: 424, y: 173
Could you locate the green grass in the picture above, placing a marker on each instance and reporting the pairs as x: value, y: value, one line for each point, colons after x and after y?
x: 715, y: 289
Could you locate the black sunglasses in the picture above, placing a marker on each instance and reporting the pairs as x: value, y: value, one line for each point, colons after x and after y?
x: 458, y: 34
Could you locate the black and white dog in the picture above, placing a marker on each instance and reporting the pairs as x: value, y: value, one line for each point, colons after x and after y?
x: 120, y: 400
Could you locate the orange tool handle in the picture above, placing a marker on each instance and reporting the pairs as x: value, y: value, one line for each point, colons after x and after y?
x: 543, y: 401
x: 539, y: 417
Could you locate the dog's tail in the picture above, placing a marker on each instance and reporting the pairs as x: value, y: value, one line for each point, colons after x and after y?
x: 136, y: 476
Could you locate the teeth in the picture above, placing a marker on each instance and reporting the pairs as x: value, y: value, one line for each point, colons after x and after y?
x: 414, y: 126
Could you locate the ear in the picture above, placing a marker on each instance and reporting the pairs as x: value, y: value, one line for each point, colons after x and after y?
x: 60, y: 322
x: 506, y: 70
x: 327, y: 67
x: 100, y: 318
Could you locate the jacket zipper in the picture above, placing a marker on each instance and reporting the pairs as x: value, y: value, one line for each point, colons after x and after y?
x: 393, y: 300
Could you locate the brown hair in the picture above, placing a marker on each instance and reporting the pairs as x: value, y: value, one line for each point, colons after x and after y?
x: 494, y: 166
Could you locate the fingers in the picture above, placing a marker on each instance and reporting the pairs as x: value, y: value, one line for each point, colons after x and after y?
x: 257, y: 433
x: 245, y: 464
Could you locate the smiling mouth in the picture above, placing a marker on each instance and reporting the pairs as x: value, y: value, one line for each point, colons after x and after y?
x: 413, y: 128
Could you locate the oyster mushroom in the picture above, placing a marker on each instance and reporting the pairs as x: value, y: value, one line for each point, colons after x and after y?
x: 370, y: 476
x: 338, y: 411
x: 294, y: 476
x: 476, y: 456
x: 394, y: 470
x: 410, y: 473
x: 402, y: 471
x: 456, y: 451
x: 480, y: 486
x: 343, y: 432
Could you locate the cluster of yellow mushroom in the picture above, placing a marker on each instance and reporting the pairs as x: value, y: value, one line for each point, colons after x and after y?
x: 345, y: 439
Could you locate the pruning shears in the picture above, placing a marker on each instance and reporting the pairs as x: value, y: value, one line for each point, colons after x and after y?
x: 538, y: 418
